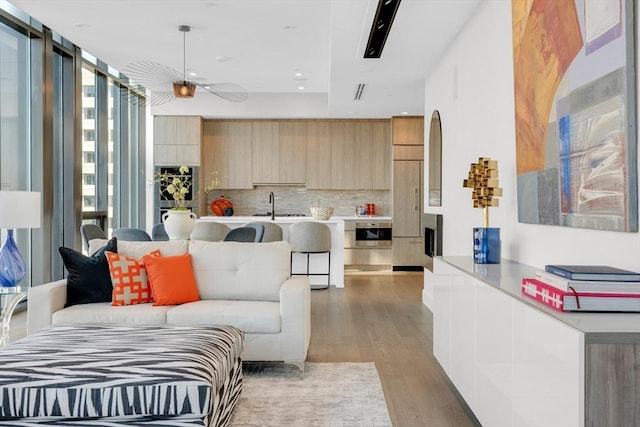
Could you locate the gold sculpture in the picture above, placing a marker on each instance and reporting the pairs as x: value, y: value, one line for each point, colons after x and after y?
x: 483, y: 178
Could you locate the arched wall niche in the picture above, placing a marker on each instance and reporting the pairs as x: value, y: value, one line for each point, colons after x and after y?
x: 435, y: 161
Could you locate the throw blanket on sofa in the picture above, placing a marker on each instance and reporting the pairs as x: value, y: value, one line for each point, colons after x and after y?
x: 124, y: 374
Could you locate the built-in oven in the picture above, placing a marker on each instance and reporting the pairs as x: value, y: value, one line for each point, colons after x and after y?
x: 373, y: 233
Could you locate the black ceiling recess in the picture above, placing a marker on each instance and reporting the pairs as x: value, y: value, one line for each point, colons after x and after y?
x: 380, y: 28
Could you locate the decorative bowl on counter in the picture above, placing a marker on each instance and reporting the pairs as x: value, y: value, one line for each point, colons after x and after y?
x: 320, y: 213
x: 222, y: 207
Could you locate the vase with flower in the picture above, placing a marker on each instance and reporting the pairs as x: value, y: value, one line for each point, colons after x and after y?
x: 179, y: 220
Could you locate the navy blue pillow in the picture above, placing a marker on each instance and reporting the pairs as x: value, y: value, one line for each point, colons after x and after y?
x: 88, y: 279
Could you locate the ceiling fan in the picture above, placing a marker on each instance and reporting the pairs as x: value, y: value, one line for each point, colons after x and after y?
x: 164, y: 84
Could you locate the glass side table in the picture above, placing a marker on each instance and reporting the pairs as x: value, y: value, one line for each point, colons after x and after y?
x: 11, y: 297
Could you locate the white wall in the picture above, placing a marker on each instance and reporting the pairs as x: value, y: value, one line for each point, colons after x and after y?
x: 472, y: 87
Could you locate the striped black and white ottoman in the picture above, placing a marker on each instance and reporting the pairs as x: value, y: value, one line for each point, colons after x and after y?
x: 111, y: 375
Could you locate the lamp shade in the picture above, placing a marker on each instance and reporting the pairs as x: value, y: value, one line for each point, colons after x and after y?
x: 184, y: 89
x: 20, y: 209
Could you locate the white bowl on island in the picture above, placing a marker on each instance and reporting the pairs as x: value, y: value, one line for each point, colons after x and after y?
x: 321, y: 213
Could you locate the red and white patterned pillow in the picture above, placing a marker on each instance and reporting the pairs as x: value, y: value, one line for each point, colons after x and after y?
x: 129, y: 279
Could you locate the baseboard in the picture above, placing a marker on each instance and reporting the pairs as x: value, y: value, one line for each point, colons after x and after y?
x: 408, y: 268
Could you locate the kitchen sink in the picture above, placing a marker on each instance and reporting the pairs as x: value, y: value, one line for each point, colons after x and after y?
x: 279, y: 215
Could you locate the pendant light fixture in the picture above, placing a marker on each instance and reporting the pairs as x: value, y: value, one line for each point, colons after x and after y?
x: 163, y: 84
x: 184, y: 89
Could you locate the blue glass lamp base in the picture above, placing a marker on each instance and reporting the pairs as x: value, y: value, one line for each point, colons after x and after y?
x: 486, y: 245
x: 12, y: 268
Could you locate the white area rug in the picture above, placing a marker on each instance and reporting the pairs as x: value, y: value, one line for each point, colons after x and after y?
x: 330, y: 394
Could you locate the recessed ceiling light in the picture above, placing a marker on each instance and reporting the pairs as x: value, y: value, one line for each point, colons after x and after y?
x: 207, y: 87
x: 299, y: 74
x: 404, y: 113
x: 193, y: 74
x: 300, y: 87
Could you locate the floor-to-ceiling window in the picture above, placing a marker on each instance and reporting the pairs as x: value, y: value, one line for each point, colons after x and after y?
x: 62, y: 229
x: 62, y: 124
x: 111, y: 164
x: 15, y: 120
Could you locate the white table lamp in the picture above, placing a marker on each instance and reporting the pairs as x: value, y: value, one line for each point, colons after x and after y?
x: 18, y: 209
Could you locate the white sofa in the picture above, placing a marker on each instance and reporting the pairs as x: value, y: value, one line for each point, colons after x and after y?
x: 246, y: 285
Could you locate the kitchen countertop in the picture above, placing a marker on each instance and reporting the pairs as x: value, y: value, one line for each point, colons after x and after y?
x: 288, y: 219
x: 260, y: 218
x: 364, y: 218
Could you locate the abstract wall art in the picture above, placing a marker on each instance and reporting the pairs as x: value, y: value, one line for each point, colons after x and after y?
x: 575, y: 113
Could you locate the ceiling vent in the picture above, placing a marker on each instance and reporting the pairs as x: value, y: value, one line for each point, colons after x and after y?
x: 359, y: 91
x: 380, y: 28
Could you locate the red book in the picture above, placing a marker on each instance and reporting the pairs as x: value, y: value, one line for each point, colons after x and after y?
x: 579, y: 301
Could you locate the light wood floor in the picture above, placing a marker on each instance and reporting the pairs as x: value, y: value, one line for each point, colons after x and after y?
x: 378, y: 318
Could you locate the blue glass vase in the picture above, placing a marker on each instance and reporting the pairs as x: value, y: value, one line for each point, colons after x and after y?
x: 12, y: 268
x: 486, y: 245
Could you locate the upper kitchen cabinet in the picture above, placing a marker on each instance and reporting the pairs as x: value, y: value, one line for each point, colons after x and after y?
x: 372, y: 155
x: 293, y: 150
x: 176, y: 140
x: 266, y: 152
x: 227, y: 149
x: 348, y: 155
x: 279, y: 152
x: 318, y: 139
x: 408, y: 130
x: 343, y: 155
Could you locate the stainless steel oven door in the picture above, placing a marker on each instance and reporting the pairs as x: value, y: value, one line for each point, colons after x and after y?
x: 374, y: 234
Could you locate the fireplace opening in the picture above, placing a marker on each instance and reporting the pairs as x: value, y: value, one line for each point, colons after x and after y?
x: 432, y: 237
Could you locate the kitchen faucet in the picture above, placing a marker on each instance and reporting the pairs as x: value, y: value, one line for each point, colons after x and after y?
x: 272, y: 200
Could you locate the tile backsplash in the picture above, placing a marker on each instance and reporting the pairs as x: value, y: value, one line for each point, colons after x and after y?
x: 297, y: 200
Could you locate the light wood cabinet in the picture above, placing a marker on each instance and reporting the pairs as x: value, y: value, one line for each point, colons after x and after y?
x: 177, y: 140
x: 363, y: 256
x: 321, y: 154
x: 227, y: 149
x: 279, y: 152
x: 408, y: 130
x: 368, y: 256
x: 293, y: 152
x: 239, y: 155
x: 408, y: 152
x: 408, y: 251
x: 407, y: 198
x: 343, y: 153
x: 266, y: 152
x: 372, y: 155
x: 214, y: 146
x: 318, y: 161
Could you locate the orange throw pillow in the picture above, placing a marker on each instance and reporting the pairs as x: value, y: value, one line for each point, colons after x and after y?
x: 129, y: 279
x: 172, y: 279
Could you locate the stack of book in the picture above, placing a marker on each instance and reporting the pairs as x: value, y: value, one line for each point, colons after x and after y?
x: 585, y: 288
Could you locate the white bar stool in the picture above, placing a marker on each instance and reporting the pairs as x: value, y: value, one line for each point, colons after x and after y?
x: 311, y: 238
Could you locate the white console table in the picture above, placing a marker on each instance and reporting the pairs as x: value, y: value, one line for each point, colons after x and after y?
x: 517, y: 362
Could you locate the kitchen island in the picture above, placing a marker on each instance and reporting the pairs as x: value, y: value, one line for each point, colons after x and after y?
x: 318, y: 262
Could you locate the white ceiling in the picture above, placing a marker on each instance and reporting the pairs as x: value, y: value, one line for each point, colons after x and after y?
x: 260, y: 44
